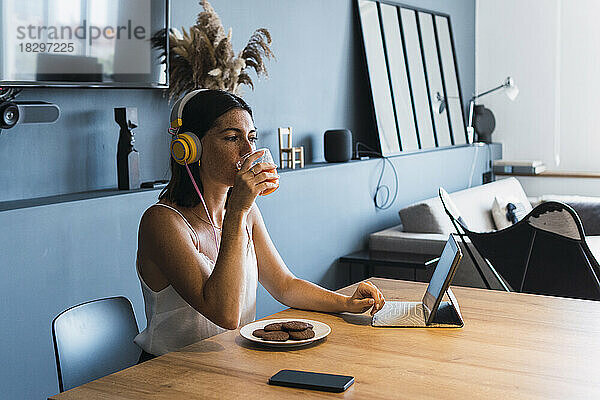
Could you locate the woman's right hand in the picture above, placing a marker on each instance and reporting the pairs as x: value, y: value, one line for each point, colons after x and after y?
x: 250, y: 181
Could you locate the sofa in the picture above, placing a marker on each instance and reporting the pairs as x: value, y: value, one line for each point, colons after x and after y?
x: 424, y: 226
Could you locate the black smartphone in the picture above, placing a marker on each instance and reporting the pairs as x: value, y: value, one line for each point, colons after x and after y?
x: 311, y: 380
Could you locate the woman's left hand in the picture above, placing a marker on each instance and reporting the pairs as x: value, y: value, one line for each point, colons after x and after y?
x: 366, y: 296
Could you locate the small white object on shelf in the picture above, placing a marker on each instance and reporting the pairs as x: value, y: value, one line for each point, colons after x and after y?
x: 290, y: 150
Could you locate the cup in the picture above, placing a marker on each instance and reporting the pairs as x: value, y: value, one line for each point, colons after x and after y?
x: 265, y: 158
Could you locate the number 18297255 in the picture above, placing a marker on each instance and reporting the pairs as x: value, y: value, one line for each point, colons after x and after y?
x: 36, y: 47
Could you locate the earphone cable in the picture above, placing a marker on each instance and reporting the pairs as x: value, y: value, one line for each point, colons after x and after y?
x: 9, y: 94
x: 204, y: 204
x: 203, y: 219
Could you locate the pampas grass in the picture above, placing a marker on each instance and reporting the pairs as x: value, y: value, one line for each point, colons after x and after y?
x: 203, y: 57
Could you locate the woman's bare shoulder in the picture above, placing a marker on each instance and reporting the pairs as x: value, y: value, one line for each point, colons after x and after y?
x: 158, y: 220
x: 157, y: 213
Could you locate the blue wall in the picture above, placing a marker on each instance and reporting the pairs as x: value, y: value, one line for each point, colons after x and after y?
x: 318, y: 82
x: 58, y: 255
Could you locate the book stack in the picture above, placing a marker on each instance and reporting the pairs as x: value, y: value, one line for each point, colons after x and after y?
x: 518, y: 167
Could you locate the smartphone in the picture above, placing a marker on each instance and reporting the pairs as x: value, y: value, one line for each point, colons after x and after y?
x: 312, y: 380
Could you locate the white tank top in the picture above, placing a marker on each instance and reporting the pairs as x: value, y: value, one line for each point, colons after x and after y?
x: 172, y: 323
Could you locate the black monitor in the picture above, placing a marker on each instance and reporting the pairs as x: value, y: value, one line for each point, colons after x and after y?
x: 81, y: 43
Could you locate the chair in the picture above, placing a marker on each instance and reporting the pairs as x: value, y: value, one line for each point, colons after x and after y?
x: 544, y: 253
x: 289, y: 150
x: 94, y: 339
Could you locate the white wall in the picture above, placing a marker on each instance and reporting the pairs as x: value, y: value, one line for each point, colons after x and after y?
x: 550, y: 48
x: 580, y: 85
x: 536, y: 186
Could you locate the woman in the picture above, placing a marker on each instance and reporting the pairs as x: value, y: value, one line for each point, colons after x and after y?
x: 199, y: 278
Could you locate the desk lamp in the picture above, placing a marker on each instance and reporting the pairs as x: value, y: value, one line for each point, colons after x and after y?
x: 512, y: 91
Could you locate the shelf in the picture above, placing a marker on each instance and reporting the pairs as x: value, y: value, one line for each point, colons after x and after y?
x: 322, y: 164
x: 63, y: 198
x: 92, y: 194
x: 557, y: 174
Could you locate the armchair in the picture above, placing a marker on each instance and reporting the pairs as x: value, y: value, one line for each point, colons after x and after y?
x: 544, y: 253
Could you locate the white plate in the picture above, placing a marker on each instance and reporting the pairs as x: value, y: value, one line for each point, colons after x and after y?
x: 321, y: 330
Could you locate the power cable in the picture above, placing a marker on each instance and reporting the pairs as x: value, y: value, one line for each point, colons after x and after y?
x: 385, y: 205
x: 7, y: 93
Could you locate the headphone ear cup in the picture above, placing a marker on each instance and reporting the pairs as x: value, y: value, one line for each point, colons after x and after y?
x: 197, y: 145
x: 186, y: 149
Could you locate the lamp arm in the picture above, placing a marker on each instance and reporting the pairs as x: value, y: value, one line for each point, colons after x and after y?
x: 488, y: 92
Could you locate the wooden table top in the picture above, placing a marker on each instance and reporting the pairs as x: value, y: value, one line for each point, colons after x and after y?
x: 512, y: 346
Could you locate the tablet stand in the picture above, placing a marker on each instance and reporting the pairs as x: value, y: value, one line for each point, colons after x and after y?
x: 448, y: 314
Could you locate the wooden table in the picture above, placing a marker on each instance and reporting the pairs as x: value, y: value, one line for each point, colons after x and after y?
x: 512, y: 346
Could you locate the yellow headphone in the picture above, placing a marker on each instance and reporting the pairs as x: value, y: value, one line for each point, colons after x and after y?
x: 185, y: 147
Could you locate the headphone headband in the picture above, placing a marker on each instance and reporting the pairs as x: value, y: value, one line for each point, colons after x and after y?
x: 185, y: 146
x: 177, y: 110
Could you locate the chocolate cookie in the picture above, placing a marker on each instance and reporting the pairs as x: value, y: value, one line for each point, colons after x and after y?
x: 276, y: 336
x: 294, y: 326
x: 259, y: 333
x: 302, y: 335
x: 273, y: 327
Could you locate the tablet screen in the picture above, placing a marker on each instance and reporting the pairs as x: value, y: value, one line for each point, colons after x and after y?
x: 442, y: 276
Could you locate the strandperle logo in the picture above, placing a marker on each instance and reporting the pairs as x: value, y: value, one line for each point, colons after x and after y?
x: 83, y: 31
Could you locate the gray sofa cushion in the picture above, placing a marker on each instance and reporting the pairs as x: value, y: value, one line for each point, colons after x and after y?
x: 474, y: 204
x: 394, y: 239
x: 427, y: 216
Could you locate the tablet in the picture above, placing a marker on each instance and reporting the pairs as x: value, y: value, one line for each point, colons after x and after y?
x: 442, y: 276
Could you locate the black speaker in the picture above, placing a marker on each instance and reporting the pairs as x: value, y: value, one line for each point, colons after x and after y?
x: 27, y: 112
x: 37, y: 112
x: 338, y: 145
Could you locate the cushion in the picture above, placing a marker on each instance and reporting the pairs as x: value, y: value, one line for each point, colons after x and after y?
x: 500, y: 210
x: 394, y: 239
x: 427, y: 216
x: 474, y: 204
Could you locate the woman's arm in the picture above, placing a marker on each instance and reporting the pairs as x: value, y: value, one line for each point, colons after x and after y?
x: 217, y: 294
x: 224, y: 289
x: 279, y: 281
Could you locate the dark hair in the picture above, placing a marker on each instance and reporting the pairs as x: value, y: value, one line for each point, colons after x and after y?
x: 199, y: 115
